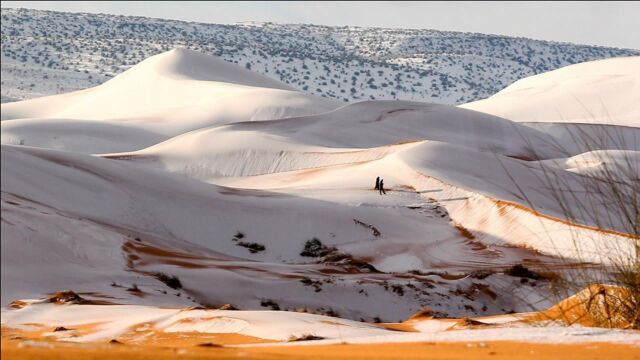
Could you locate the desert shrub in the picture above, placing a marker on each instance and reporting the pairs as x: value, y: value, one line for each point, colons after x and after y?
x: 317, y: 285
x: 253, y: 247
x: 519, y: 270
x: 397, y: 289
x: 270, y: 303
x: 171, y: 281
x: 315, y: 248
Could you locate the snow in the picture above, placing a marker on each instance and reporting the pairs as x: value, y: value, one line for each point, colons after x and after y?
x: 163, y: 96
x: 463, y: 151
x: 50, y: 240
x: 530, y: 334
x: 117, y: 320
x: 46, y: 52
x: 602, y: 92
x: 86, y: 136
x: 178, y: 165
x: 127, y: 201
x: 368, y: 131
x: 580, y: 138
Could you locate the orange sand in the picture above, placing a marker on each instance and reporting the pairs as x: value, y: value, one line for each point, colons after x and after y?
x: 13, y: 349
x: 17, y: 344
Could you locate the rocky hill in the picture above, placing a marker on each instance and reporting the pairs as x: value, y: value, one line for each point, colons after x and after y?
x: 46, y: 52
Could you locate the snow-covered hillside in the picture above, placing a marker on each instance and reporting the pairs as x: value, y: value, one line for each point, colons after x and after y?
x: 46, y: 52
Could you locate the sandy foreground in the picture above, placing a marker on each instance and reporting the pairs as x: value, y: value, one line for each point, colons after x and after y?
x: 39, y: 329
x: 29, y: 349
x: 20, y: 344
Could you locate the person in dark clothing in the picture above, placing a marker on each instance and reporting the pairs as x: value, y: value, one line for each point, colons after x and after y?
x: 382, y: 187
x: 378, y: 183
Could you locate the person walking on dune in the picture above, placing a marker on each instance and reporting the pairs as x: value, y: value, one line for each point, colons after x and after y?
x: 378, y: 183
x: 382, y: 187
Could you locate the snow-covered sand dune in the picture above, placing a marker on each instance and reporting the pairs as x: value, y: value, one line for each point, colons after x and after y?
x: 472, y: 157
x: 150, y: 325
x: 163, y: 96
x: 579, y: 138
x: 193, y: 239
x: 165, y: 171
x: 600, y: 92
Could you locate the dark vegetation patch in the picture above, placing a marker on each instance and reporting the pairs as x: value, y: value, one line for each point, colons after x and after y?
x: 270, y: 303
x: 397, y: 289
x: 315, y: 248
x: 171, y: 281
x: 253, y: 247
x: 317, y: 311
x: 519, y: 270
x: 329, y: 312
x: 317, y: 285
x: 331, y: 256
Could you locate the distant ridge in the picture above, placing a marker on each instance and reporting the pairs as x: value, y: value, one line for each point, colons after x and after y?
x: 46, y: 52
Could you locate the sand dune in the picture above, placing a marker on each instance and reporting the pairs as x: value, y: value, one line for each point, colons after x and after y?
x: 143, y: 325
x: 190, y: 182
x: 600, y: 92
x: 163, y: 96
